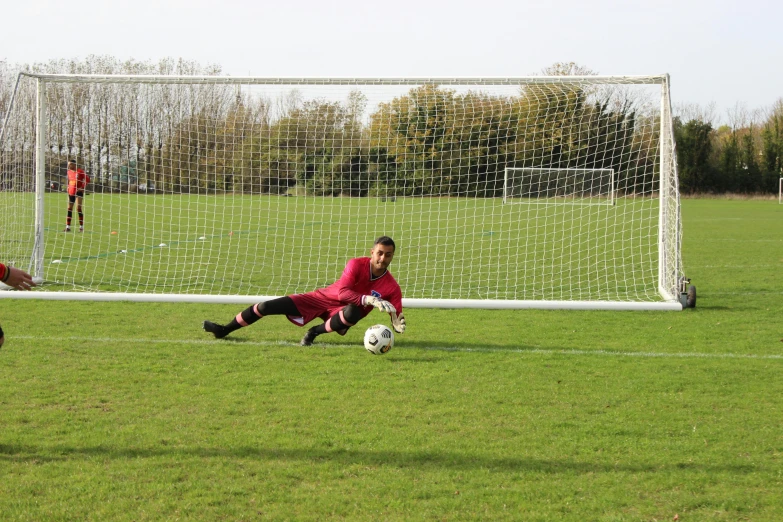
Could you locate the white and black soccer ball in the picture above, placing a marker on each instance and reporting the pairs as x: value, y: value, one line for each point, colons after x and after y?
x: 378, y: 339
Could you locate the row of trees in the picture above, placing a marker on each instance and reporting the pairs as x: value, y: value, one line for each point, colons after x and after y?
x: 745, y: 156
x: 428, y: 140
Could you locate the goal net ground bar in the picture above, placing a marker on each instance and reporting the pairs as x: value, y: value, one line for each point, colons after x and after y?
x: 407, y: 303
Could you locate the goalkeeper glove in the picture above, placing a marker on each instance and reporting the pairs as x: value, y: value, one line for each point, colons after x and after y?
x: 380, y: 304
x: 398, y: 322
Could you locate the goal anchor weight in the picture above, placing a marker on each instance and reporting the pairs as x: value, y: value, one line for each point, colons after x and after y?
x: 687, y: 293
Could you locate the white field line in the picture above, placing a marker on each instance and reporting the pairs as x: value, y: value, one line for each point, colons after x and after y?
x: 229, y: 344
x: 775, y: 265
x: 756, y: 293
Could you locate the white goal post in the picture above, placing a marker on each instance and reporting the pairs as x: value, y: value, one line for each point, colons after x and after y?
x: 239, y: 189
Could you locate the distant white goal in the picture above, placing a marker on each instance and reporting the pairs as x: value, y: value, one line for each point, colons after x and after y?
x: 577, y: 186
x: 234, y: 190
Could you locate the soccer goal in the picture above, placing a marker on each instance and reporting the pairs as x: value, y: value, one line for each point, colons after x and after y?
x: 235, y: 190
x: 553, y: 185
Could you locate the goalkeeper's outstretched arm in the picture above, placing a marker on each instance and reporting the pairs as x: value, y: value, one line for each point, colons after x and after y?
x: 381, y: 304
x: 16, y: 278
x: 397, y: 319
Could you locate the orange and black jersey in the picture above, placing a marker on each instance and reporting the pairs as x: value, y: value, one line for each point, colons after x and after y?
x: 77, y: 181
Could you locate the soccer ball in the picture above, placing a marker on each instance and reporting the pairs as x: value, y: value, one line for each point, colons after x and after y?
x: 378, y: 339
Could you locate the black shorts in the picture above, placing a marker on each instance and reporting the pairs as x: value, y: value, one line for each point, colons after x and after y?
x: 72, y: 199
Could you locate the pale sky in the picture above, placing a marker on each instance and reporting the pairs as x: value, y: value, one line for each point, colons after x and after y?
x: 729, y: 53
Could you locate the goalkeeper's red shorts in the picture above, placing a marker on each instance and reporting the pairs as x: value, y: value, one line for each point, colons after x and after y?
x: 312, y: 305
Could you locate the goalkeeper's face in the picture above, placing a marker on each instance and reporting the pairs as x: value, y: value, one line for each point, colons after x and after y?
x: 380, y: 257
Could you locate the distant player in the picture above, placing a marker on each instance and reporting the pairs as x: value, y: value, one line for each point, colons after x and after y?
x: 14, y: 278
x: 77, y: 182
x: 366, y: 282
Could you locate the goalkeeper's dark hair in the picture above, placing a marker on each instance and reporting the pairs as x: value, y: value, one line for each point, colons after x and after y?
x: 385, y: 241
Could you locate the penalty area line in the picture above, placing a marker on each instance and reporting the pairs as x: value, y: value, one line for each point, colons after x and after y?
x: 611, y: 353
x: 522, y: 351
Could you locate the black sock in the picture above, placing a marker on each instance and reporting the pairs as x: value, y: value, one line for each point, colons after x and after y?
x: 335, y: 323
x: 318, y: 330
x: 251, y: 314
x: 233, y: 325
x: 248, y: 316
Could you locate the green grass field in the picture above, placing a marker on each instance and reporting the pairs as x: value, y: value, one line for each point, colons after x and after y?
x: 128, y: 411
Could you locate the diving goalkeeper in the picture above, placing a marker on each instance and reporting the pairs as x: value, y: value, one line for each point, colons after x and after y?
x: 366, y: 283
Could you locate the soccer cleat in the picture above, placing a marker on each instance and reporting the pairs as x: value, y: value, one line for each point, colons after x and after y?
x: 81, y: 229
x: 308, y: 339
x: 67, y: 229
x: 219, y: 331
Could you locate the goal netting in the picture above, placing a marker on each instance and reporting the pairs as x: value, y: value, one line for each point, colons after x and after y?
x: 239, y: 189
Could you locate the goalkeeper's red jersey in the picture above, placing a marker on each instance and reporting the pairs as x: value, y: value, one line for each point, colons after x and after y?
x: 77, y: 181
x: 356, y: 281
